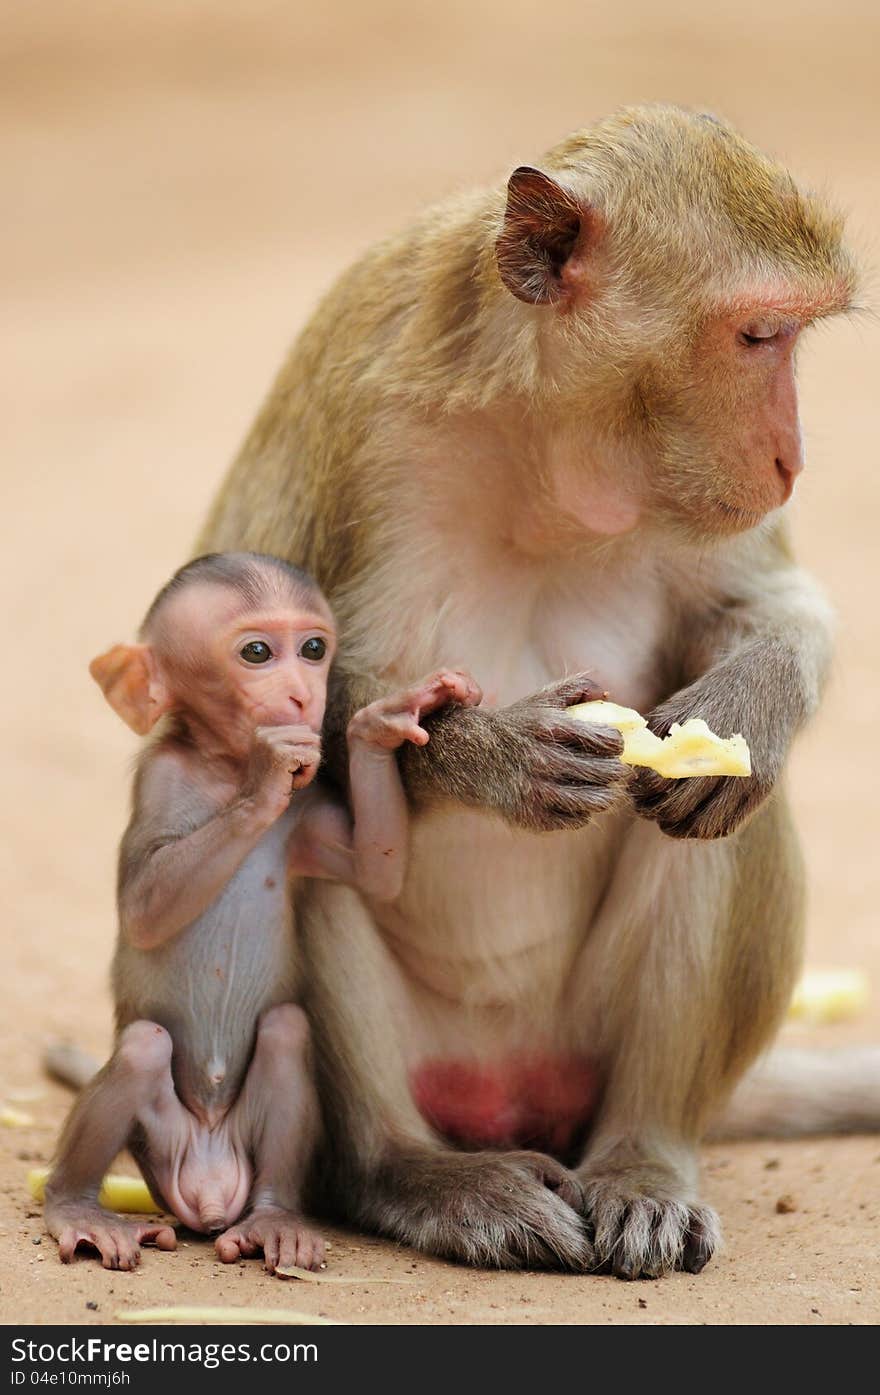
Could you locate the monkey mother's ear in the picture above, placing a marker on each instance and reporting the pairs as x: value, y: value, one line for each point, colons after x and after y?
x: 542, y: 222
x: 128, y: 678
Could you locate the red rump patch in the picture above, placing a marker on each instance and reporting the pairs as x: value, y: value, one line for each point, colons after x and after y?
x: 523, y: 1101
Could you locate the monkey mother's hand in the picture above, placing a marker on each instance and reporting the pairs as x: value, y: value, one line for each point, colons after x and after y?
x: 528, y: 762
x: 713, y: 806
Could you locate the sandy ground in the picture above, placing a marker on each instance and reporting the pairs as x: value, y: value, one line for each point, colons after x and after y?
x: 182, y: 181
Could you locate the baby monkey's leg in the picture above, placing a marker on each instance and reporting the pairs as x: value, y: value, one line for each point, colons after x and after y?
x: 277, y: 1119
x: 98, y: 1128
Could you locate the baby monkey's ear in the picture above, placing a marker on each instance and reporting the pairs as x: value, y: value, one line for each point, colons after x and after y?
x: 129, y: 679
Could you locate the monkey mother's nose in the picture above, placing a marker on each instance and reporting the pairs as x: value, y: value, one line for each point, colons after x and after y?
x: 788, y: 471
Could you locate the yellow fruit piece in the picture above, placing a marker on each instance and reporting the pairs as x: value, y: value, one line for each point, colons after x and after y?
x: 830, y: 995
x: 690, y: 749
x: 270, y: 1316
x: 609, y: 714
x: 117, y: 1193
x: 12, y: 1118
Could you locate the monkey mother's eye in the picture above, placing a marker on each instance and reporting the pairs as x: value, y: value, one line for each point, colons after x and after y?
x: 758, y: 333
x: 256, y: 651
x: 314, y: 648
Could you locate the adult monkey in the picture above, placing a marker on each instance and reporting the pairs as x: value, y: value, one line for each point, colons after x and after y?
x: 541, y: 433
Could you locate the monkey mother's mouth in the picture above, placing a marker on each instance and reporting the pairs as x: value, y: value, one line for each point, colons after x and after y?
x: 743, y: 518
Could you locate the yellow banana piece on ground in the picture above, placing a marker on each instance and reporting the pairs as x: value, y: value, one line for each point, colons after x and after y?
x: 830, y: 995
x: 118, y: 1193
x: 689, y: 750
x: 12, y: 1118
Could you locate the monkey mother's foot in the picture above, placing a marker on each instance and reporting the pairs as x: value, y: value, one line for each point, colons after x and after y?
x: 280, y: 1236
x: 500, y: 1210
x: 118, y: 1242
x: 642, y: 1230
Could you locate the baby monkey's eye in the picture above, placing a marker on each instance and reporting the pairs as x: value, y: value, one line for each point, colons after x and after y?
x: 256, y: 651
x: 314, y: 648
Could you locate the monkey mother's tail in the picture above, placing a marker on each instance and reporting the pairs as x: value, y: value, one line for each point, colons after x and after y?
x: 69, y: 1064
x: 793, y: 1092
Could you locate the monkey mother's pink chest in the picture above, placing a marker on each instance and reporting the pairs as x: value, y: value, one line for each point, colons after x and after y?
x: 523, y: 1101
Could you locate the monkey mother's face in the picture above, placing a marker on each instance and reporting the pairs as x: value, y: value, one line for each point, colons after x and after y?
x: 239, y: 667
x: 674, y: 266
x: 727, y: 445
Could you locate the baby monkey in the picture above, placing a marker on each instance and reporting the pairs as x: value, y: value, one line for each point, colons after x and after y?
x: 210, y: 1084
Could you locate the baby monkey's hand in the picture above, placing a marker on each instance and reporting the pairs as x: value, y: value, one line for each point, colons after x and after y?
x: 282, y: 759
x: 391, y: 721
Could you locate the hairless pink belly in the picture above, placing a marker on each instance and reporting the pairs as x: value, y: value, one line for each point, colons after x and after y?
x: 523, y: 1101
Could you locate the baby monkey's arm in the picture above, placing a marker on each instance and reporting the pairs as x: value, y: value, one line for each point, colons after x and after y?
x: 171, y: 872
x: 369, y: 850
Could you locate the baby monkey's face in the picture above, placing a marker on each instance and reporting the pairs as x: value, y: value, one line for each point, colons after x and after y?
x: 238, y: 667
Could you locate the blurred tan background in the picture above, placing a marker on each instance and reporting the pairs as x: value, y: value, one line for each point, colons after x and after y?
x: 182, y: 180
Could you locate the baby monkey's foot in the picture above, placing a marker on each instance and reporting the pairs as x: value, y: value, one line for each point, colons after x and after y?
x: 118, y: 1242
x: 282, y: 1236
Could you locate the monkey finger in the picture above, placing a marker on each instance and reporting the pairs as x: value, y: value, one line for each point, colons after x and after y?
x: 109, y: 1251
x: 701, y: 1240
x: 389, y: 730
x: 470, y: 693
x: 309, y: 1249
x: 416, y: 735
x: 566, y: 768
x: 69, y: 1240
x: 579, y: 687
x: 676, y: 799
x: 451, y: 685
x: 567, y: 806
x: 686, y: 802
x: 565, y: 1184
x: 293, y: 759
x: 700, y: 829
x: 583, y: 736
x: 298, y: 754
x: 229, y: 1247
x: 648, y: 785
x: 402, y: 726
x: 128, y: 1251
x: 303, y: 763
x: 293, y: 732
x: 720, y: 814
x: 395, y: 722
x: 250, y: 1245
x: 295, y: 1248
x: 303, y: 775
x: 164, y: 1237
x: 426, y: 697
x: 271, y: 1250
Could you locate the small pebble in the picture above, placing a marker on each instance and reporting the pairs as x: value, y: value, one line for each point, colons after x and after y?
x: 771, y: 1165
x: 643, y: 1302
x: 93, y: 1307
x: 36, y: 1239
x: 785, y: 1205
